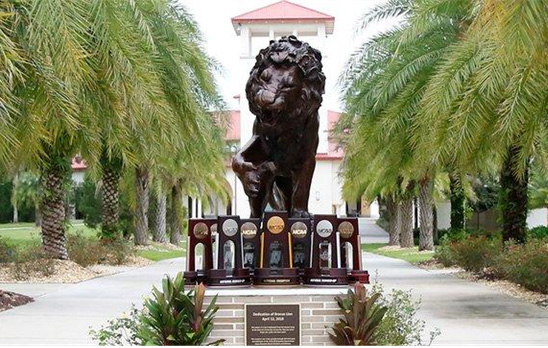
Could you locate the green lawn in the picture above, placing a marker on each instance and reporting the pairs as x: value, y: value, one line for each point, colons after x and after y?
x: 157, y: 255
x: 411, y: 255
x: 22, y: 234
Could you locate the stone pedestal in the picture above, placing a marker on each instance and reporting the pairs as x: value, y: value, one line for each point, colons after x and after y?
x: 319, y: 311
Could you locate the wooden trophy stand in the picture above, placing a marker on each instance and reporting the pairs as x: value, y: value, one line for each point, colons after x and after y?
x: 350, y: 233
x: 251, y: 238
x: 199, y: 232
x: 276, y: 252
x: 229, y: 271
x: 301, y: 234
x: 326, y: 268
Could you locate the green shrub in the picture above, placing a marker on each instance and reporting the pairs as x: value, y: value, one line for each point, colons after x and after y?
x: 525, y: 264
x: 170, y: 317
x: 7, y: 251
x: 83, y: 250
x: 443, y: 252
x: 87, y: 251
x: 398, y: 325
x: 362, y: 318
x: 474, y: 253
x: 118, y: 252
x: 33, y: 261
x: 539, y: 232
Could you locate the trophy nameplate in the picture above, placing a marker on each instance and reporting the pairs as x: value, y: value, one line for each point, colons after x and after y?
x: 199, y: 234
x: 326, y: 267
x: 230, y: 270
x: 301, y: 233
x: 350, y: 239
x: 250, y: 230
x: 276, y: 261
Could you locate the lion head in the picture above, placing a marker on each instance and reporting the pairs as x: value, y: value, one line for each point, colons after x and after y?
x: 287, y: 79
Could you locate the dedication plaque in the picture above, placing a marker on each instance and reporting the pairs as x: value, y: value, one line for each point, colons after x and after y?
x: 272, y: 325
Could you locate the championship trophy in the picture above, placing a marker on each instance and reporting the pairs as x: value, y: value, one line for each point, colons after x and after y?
x: 199, y: 233
x: 301, y: 234
x: 251, y: 237
x: 326, y: 268
x: 229, y: 270
x: 276, y: 263
x: 351, y: 250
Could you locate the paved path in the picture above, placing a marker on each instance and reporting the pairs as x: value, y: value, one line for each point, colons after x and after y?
x: 371, y: 232
x: 63, y: 314
x: 466, y: 312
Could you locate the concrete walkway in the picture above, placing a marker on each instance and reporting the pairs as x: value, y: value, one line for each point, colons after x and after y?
x: 63, y: 314
x: 466, y: 312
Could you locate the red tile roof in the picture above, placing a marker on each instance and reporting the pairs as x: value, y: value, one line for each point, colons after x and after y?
x: 285, y: 12
x: 78, y: 164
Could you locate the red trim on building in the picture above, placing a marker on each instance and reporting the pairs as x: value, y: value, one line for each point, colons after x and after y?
x: 284, y: 12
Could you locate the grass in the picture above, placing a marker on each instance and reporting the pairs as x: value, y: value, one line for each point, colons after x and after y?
x: 410, y: 255
x: 162, y: 253
x: 158, y: 255
x: 24, y: 234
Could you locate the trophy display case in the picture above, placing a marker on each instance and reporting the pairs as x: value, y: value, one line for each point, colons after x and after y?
x: 351, y: 259
x: 250, y: 230
x: 301, y: 234
x: 229, y: 270
x: 276, y: 257
x: 326, y: 266
x: 199, y: 237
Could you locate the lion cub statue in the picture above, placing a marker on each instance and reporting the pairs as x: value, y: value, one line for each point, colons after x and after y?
x: 284, y: 91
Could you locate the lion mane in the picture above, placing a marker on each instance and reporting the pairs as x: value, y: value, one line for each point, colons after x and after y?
x: 287, y: 51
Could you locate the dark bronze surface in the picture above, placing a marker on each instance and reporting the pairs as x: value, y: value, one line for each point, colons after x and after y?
x: 284, y: 91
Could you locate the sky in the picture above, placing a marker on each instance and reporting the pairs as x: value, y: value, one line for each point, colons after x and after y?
x: 222, y: 43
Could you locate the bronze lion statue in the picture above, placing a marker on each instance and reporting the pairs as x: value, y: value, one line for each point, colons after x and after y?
x: 284, y: 91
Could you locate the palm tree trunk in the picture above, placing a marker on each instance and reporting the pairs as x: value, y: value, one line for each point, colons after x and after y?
x: 513, y: 198
x: 53, y: 210
x: 426, y: 207
x: 176, y: 220
x: 141, y: 214
x: 110, y: 204
x: 159, y: 232
x: 457, y: 199
x: 406, y: 232
x: 15, y: 214
x: 394, y: 221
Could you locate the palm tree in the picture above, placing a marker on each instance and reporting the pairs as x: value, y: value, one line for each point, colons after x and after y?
x: 118, y: 82
x: 383, y: 85
x: 189, y: 90
x: 488, y: 101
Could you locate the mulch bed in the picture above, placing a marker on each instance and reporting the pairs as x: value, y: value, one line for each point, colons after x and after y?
x: 9, y: 300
